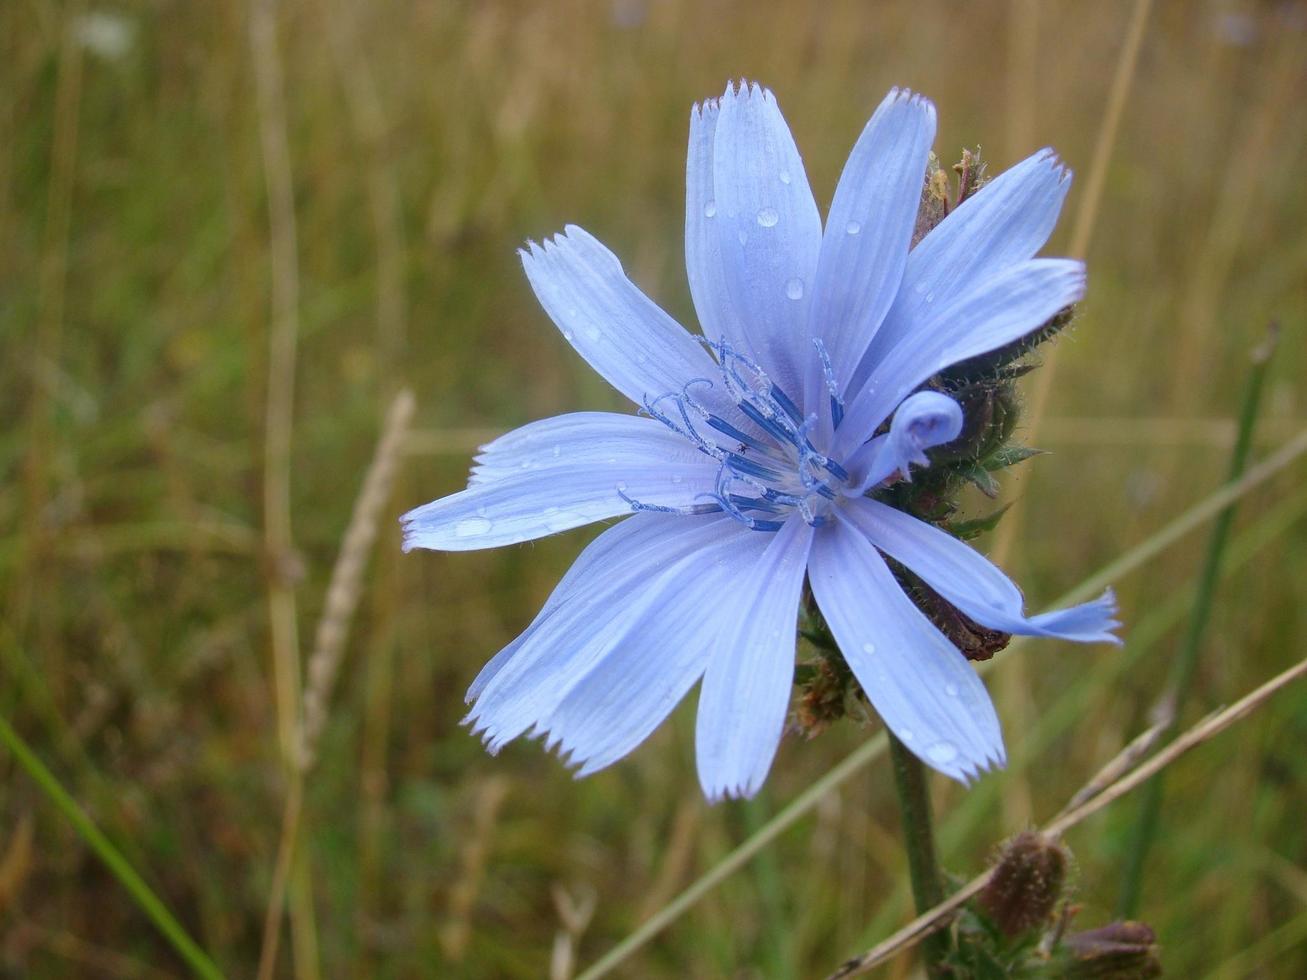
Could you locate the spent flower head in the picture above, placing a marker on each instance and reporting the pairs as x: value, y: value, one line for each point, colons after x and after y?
x: 764, y: 453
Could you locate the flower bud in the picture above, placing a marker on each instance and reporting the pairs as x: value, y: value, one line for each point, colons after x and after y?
x: 1118, y: 951
x: 1027, y: 884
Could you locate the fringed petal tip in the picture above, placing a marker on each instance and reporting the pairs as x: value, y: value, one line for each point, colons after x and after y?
x: 899, y: 95
x: 706, y: 109
x: 720, y: 794
x: 968, y: 771
x: 1055, y: 163
x: 743, y: 88
x: 1090, y: 622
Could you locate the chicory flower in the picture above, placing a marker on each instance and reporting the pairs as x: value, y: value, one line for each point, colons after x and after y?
x: 749, y: 463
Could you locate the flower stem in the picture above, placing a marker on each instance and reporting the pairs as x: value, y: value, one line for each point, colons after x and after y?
x: 919, y: 839
x: 141, y: 894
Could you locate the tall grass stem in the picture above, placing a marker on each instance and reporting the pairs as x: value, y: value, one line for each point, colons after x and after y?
x: 1185, y: 664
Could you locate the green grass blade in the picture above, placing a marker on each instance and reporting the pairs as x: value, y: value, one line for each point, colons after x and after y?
x: 145, y: 898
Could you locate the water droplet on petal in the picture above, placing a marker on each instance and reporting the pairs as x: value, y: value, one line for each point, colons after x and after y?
x: 784, y: 175
x: 868, y: 648
x: 767, y: 217
x: 621, y: 487
x: 951, y: 690
x: 853, y: 228
x: 568, y: 335
x: 743, y: 236
x: 471, y: 527
x: 557, y: 451
x: 906, y: 735
x: 677, y: 478
x: 710, y: 209
x: 794, y: 288
x: 592, y: 333
x: 942, y: 752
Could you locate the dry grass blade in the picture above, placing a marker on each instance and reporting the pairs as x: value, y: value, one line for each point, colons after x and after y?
x: 346, y: 577
x: 1205, y: 730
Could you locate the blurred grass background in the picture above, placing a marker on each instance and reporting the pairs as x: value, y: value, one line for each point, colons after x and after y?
x: 425, y: 142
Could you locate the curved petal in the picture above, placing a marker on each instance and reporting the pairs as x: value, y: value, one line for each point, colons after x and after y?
x: 995, y: 311
x: 924, y: 420
x: 624, y: 335
x: 972, y: 582
x: 1005, y: 222
x: 768, y: 231
x: 869, y: 231
x: 631, y: 690
x: 746, y: 688
x: 924, y: 689
x: 624, y: 579
x: 586, y: 483
x: 580, y: 439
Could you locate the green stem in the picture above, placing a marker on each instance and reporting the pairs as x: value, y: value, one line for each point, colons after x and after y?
x: 919, y: 839
x: 148, y: 902
x: 1186, y: 663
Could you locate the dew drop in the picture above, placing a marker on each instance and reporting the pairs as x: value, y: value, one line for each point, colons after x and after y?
x: 784, y: 176
x: 951, y: 690
x: 868, y: 648
x: 930, y: 297
x: 743, y: 236
x: 710, y: 209
x: 677, y: 478
x: 853, y: 228
x: 942, y: 752
x: 767, y: 217
x: 568, y: 335
x: 907, y: 735
x: 794, y: 288
x: 471, y: 527
x: 557, y: 451
x: 592, y: 333
x: 621, y: 487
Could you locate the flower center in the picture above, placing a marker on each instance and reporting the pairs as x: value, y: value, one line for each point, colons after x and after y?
x: 765, y: 475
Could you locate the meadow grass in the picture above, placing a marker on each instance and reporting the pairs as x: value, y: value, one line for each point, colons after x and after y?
x: 147, y: 266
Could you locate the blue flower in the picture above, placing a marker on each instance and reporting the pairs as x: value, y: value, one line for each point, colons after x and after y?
x: 747, y: 467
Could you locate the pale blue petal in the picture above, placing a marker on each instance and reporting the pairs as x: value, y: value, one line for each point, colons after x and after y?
x: 768, y: 231
x: 1005, y: 222
x: 995, y: 311
x: 924, y: 420
x: 746, y: 688
x: 869, y: 231
x: 631, y: 690
x: 718, y: 316
x: 581, y: 439
x: 624, y: 335
x: 624, y: 577
x: 972, y: 582
x: 595, y: 559
x: 926, y: 692
x: 559, y: 493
